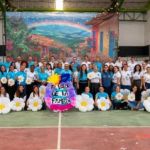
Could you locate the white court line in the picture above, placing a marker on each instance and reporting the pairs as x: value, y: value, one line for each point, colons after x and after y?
x: 96, y: 127
x: 59, y: 133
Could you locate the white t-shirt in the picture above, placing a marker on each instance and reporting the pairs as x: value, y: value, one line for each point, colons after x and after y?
x: 137, y: 75
x: 17, y: 64
x: 126, y: 77
x: 118, y: 63
x: 116, y: 76
x: 147, y: 77
x: 31, y: 75
x: 97, y: 77
x: 49, y: 72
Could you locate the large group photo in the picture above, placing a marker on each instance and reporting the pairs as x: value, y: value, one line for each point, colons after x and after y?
x: 74, y: 75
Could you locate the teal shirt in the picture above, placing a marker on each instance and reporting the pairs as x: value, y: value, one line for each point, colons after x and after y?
x: 30, y: 64
x: 4, y: 74
x: 58, y: 71
x: 89, y: 94
x: 83, y: 77
x: 11, y: 75
x: 24, y: 75
x: 113, y: 95
x: 100, y: 95
x: 42, y: 76
x: 99, y: 66
x: 7, y: 65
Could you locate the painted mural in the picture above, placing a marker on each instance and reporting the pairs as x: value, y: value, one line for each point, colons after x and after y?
x: 56, y: 33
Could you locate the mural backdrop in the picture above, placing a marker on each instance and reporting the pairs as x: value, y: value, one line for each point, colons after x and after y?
x: 58, y: 34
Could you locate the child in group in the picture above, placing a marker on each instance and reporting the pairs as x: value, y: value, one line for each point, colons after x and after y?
x: 20, y: 93
x: 117, y: 104
x: 35, y: 94
x: 101, y: 94
x: 87, y: 92
x: 137, y: 104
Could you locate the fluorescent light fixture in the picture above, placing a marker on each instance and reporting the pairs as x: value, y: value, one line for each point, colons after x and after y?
x: 59, y: 4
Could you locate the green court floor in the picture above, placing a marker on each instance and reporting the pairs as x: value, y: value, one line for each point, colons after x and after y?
x: 75, y: 118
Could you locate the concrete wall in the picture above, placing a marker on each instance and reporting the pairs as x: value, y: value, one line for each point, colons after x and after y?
x: 147, y: 30
x: 131, y: 33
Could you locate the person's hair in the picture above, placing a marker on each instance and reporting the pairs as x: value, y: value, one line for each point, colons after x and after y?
x: 136, y: 66
x: 1, y: 69
x: 35, y: 86
x: 18, y: 93
x: 24, y: 62
x: 48, y: 64
x: 81, y: 72
x: 104, y: 67
x: 5, y: 91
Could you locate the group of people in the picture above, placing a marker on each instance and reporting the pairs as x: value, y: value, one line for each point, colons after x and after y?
x: 93, y: 78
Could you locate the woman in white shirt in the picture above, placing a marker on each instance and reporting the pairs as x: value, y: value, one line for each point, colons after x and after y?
x: 137, y: 77
x: 116, y: 78
x: 3, y: 93
x: 146, y: 80
x: 95, y: 82
x: 125, y: 78
x: 49, y: 69
x: 31, y: 74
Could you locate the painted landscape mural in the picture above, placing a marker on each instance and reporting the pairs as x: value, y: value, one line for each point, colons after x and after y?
x: 61, y: 34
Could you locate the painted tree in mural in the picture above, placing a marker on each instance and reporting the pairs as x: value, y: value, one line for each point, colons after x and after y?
x: 16, y: 37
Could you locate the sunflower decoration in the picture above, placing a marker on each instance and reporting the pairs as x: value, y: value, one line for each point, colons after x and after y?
x: 3, y: 80
x: 29, y: 81
x: 42, y: 91
x: 17, y: 104
x: 20, y: 79
x: 4, y: 105
x: 35, y: 104
x: 131, y: 97
x: 54, y: 79
x: 103, y: 104
x: 119, y: 96
x: 91, y: 75
x: 84, y: 103
x: 11, y: 82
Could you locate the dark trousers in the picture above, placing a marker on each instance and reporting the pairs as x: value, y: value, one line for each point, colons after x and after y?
x: 82, y: 85
x: 94, y: 88
x: 11, y: 91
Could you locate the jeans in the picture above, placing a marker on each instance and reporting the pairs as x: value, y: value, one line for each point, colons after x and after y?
x: 134, y: 104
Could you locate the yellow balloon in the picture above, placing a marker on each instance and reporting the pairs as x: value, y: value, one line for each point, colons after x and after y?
x: 54, y: 79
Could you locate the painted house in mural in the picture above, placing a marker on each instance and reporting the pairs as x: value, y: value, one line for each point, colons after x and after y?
x: 105, y: 34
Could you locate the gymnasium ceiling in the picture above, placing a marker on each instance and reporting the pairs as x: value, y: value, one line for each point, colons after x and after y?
x: 78, y: 5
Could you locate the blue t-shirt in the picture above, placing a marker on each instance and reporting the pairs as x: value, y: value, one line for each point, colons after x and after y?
x: 113, y: 95
x: 7, y: 65
x: 89, y: 94
x: 30, y: 64
x: 107, y: 79
x: 67, y: 72
x: 99, y: 66
x: 11, y: 75
x: 83, y: 77
x: 42, y: 76
x: 58, y: 71
x: 75, y: 66
x: 3, y: 74
x: 100, y: 95
x: 24, y: 75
